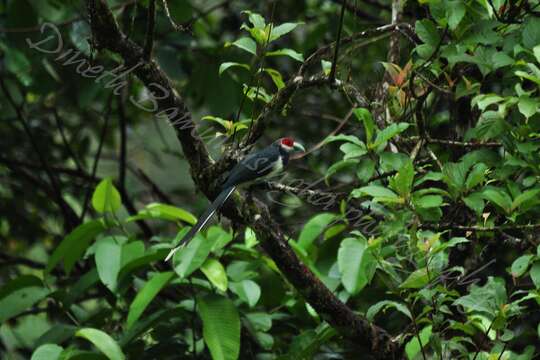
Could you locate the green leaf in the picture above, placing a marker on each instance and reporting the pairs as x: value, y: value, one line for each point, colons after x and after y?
x: 498, y: 197
x: 74, y: 245
x: 365, y: 170
x: 255, y: 19
x: 520, y: 265
x: 215, y: 272
x: 414, y: 347
x: 19, y: 295
x: 403, y: 180
x: 146, y: 295
x: 428, y: 201
x: 416, y: 280
x: 379, y: 193
x: 525, y: 196
x: 287, y: 52
x: 476, y: 176
x: 456, y: 12
x: 313, y: 228
x: 164, y: 212
x: 382, y: 305
x: 488, y: 299
x: 276, y: 77
x: 340, y: 165
x: 536, y: 52
x: 106, y: 344
x: 191, y: 257
x: 364, y: 115
x: 388, y: 133
x: 342, y: 137
x: 356, y: 264
x: 528, y: 106
x: 531, y: 32
x: 501, y: 59
x: 221, y: 327
x: 108, y: 258
x: 427, y: 32
x: 247, y: 290
x: 352, y: 150
x: 282, y: 29
x: 535, y: 274
x: 47, y: 352
x: 245, y: 44
x: 106, y: 198
x: 227, y: 65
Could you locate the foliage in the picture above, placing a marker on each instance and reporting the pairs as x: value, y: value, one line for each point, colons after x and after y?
x: 425, y: 216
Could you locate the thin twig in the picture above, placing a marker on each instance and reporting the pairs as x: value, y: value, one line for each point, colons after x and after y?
x: 97, y: 156
x: 150, y: 29
x: 332, y: 75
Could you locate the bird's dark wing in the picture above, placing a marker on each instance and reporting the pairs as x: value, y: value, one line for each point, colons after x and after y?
x: 254, y: 166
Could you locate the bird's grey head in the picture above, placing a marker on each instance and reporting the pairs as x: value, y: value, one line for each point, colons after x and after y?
x: 288, y: 144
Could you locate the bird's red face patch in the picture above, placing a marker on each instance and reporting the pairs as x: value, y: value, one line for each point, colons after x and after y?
x: 287, y: 142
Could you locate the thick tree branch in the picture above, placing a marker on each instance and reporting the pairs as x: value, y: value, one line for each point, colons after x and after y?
x: 255, y: 214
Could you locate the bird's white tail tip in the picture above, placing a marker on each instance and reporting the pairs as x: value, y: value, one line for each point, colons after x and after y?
x: 171, y: 253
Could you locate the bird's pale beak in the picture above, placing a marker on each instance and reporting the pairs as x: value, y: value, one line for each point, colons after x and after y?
x: 299, y: 147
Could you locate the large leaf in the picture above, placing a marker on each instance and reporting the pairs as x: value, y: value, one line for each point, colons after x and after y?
x: 146, y: 295
x: 364, y: 115
x: 379, y: 193
x: 417, y: 279
x: 108, y: 261
x: 414, y: 347
x: 282, y: 29
x: 488, y: 299
x: 498, y: 197
x: 382, y: 305
x: 520, y: 265
x: 19, y: 295
x: 74, y: 245
x: 313, y: 228
x: 402, y: 182
x: 106, y: 344
x: 192, y: 256
x: 356, y: 264
x: 47, y: 352
x: 215, y: 272
x: 165, y: 212
x: 247, y: 290
x: 106, y: 198
x: 246, y: 44
x: 221, y: 326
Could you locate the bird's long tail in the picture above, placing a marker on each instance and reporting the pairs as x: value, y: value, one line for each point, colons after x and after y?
x: 218, y: 202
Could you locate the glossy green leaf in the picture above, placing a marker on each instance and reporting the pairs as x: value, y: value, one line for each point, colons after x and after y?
x: 287, y: 52
x: 356, y: 264
x: 221, y: 327
x: 247, y: 290
x: 313, y: 228
x: 416, y: 280
x: 280, y: 30
x: 146, y: 295
x: 535, y: 274
x: 108, y: 257
x: 20, y: 294
x: 192, y: 256
x: 74, y: 245
x: 47, y: 352
x: 106, y: 198
x: 227, y: 65
x: 246, y: 44
x: 383, y: 305
x: 414, y: 347
x: 520, y: 265
x: 215, y: 272
x: 101, y: 340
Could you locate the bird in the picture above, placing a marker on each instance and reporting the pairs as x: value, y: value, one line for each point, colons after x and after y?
x: 255, y: 167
